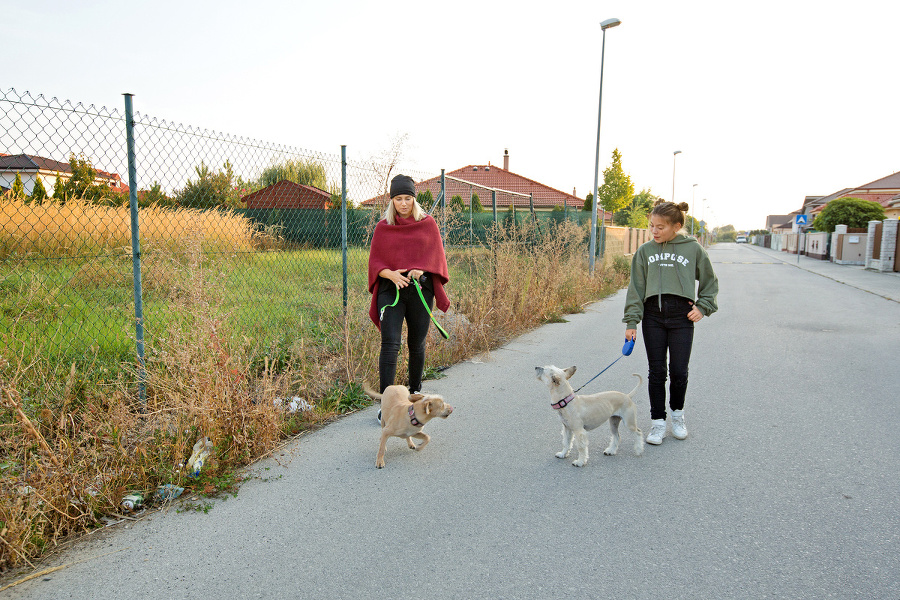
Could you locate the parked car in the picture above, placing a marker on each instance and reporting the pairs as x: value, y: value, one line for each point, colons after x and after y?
x: 741, y: 239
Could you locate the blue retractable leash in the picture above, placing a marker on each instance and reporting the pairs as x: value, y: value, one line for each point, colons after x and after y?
x: 626, y: 350
x: 440, y: 329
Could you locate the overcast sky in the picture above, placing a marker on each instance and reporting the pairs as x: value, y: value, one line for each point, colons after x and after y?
x: 768, y: 101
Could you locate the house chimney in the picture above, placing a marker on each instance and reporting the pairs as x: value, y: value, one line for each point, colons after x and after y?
x: 506, y: 159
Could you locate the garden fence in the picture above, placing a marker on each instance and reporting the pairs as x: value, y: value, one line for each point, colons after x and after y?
x: 107, y: 217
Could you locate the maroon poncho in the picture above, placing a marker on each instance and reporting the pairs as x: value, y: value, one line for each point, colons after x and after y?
x: 409, y: 244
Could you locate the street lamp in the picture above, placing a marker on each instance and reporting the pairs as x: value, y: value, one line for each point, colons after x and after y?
x: 674, y: 155
x: 593, y: 248
x: 693, y: 195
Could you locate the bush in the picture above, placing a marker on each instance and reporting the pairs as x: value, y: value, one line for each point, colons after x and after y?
x: 851, y: 212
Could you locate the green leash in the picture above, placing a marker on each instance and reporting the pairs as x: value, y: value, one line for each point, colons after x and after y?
x: 440, y: 329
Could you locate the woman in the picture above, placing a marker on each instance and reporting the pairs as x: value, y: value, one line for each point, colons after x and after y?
x: 406, y: 246
x: 661, y: 298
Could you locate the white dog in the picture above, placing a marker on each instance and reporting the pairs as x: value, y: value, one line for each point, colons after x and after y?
x: 583, y: 413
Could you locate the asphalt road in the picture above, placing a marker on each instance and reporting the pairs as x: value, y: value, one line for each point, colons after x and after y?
x: 786, y: 488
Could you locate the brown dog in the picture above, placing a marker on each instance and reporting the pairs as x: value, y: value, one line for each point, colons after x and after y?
x: 404, y: 415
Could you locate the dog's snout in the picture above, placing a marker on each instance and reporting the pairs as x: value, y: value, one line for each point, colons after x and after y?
x: 538, y: 371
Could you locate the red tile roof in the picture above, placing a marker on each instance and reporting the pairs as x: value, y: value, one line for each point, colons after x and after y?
x: 287, y: 194
x: 490, y: 176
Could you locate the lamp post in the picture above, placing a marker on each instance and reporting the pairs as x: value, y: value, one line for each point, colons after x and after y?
x: 674, y: 155
x: 593, y: 247
x: 693, y: 195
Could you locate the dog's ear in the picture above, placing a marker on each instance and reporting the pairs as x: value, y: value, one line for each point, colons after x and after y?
x: 415, y: 397
x: 570, y: 371
x: 427, y: 406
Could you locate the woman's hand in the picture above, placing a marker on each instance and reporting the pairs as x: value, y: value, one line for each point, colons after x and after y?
x: 695, y: 315
x: 397, y: 277
x: 416, y: 273
x: 630, y: 334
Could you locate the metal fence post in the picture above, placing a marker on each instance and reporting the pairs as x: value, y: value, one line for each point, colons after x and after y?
x: 444, y: 206
x: 135, y: 249
x: 494, y: 203
x: 344, y: 217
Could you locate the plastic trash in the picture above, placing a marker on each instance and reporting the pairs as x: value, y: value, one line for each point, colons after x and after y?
x: 133, y: 501
x: 628, y: 347
x: 202, y: 449
x: 167, y: 492
x: 296, y: 403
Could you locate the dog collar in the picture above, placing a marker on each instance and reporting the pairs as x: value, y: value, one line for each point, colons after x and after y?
x: 412, y: 417
x: 562, y: 403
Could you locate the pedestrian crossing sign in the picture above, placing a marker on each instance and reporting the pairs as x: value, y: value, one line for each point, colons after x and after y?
x: 802, y: 219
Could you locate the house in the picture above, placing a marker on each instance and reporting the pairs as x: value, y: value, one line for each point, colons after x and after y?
x: 485, y: 177
x: 884, y: 191
x: 773, y: 221
x: 287, y: 194
x: 32, y: 168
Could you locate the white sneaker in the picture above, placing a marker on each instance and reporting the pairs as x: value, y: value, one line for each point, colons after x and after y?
x: 379, y: 416
x: 657, y: 432
x: 679, y: 431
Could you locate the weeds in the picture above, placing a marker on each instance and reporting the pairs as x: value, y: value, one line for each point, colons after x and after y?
x: 74, y: 437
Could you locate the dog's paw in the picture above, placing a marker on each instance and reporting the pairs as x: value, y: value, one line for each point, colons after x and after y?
x: 610, y: 451
x: 379, y: 464
x: 561, y: 454
x: 578, y: 463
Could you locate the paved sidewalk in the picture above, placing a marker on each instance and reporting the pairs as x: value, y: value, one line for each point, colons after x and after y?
x: 886, y: 285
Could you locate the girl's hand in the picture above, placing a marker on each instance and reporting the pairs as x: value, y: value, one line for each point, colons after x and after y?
x: 630, y: 334
x: 695, y: 315
x: 416, y: 273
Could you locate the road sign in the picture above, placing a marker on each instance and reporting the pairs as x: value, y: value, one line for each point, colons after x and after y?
x: 802, y: 220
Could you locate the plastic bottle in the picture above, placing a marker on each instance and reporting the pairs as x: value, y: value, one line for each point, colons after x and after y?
x: 132, y: 501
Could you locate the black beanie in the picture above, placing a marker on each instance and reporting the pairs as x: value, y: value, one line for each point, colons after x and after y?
x: 403, y: 184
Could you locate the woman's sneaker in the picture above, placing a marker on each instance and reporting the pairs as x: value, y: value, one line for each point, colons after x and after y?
x: 379, y: 416
x: 657, y: 432
x: 679, y: 431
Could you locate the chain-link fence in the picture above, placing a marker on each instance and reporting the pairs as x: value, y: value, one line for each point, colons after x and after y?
x: 93, y: 256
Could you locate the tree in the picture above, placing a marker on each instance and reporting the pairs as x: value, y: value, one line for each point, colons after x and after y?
x: 851, y: 212
x: 82, y: 182
x: 59, y: 189
x: 299, y: 171
x: 39, y: 192
x: 636, y: 213
x: 154, y: 197
x: 18, y: 188
x: 426, y: 199
x: 588, y: 202
x: 726, y: 233
x: 476, y: 204
x: 617, y: 189
x: 456, y: 203
x: 211, y: 190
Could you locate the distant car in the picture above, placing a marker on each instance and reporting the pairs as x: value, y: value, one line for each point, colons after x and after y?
x: 741, y: 239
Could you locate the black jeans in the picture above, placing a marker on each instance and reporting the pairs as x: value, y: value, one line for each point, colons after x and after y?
x: 667, y: 331
x: 409, y: 307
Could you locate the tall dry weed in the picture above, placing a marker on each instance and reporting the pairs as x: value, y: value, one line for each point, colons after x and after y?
x: 54, y: 229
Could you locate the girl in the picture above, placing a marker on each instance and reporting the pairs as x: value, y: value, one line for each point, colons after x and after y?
x: 406, y: 245
x: 661, y: 298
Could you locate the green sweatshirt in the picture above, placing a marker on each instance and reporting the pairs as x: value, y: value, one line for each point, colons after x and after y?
x: 670, y: 268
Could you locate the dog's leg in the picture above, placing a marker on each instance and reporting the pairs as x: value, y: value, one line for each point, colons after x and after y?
x: 421, y: 436
x: 581, y: 444
x: 567, y: 443
x: 379, y: 460
x: 631, y: 423
x: 614, y: 439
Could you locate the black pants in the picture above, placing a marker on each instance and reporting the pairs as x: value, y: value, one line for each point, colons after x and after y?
x: 408, y: 307
x: 667, y: 332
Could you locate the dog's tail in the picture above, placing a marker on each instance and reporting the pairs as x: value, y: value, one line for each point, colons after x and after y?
x: 640, y: 381
x: 367, y: 389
